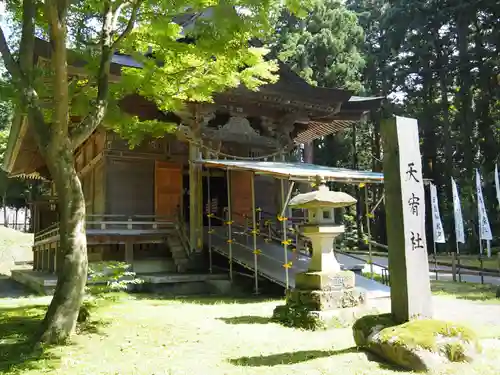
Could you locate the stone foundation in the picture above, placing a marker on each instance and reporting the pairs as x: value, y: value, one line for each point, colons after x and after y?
x: 323, y: 300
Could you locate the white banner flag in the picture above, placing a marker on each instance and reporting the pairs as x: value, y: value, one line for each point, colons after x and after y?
x: 497, y: 183
x: 457, y: 211
x: 484, y: 223
x: 437, y: 224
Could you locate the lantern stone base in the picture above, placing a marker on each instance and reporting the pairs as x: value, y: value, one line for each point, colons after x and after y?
x: 322, y: 300
x: 325, y: 280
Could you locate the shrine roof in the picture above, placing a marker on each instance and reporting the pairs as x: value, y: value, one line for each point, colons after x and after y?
x: 326, y: 110
x: 289, y: 86
x: 299, y: 172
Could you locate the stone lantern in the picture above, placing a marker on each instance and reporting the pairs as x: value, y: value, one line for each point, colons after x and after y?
x: 323, y: 294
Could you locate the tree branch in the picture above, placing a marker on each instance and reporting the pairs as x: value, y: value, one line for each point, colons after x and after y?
x: 130, y: 24
x: 56, y: 14
x: 83, y: 130
x: 29, y: 96
x: 27, y: 45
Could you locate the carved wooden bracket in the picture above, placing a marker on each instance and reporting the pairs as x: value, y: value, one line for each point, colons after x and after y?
x: 195, y: 116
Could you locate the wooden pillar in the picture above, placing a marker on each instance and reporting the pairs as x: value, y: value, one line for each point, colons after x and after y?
x: 197, y: 117
x: 35, y: 258
x: 42, y: 251
x: 50, y: 260
x: 309, y: 152
x: 38, y: 259
x: 129, y: 252
x: 405, y: 215
x: 195, y: 191
x: 46, y: 267
x: 54, y: 258
x: 59, y: 257
x: 308, y: 158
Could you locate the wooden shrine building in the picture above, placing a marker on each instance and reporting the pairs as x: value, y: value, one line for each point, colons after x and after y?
x: 145, y: 205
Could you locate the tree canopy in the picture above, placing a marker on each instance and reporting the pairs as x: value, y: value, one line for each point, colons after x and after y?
x: 183, y: 51
x: 323, y: 47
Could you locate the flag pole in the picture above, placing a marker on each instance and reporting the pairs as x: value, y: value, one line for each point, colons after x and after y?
x: 435, y: 258
x: 458, y: 261
x: 481, y: 258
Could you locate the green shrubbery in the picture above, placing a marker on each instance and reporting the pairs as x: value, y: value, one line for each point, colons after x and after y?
x: 104, y: 278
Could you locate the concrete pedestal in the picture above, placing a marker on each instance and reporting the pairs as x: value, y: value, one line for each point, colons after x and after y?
x: 322, y: 300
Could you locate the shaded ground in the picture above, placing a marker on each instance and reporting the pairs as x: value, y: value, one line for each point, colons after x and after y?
x: 185, y: 336
x: 11, y: 289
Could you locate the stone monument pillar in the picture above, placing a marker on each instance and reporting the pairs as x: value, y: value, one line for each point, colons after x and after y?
x: 405, y: 216
x: 324, y: 295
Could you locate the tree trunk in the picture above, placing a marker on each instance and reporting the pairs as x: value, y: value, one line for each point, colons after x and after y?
x: 465, y: 120
x: 60, y: 320
x: 443, y: 174
x: 359, y: 210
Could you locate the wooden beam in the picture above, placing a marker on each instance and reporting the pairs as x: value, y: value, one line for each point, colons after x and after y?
x: 91, y: 165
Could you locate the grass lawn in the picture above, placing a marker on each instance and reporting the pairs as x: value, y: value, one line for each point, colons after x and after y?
x: 469, y: 260
x: 467, y: 291
x: 146, y: 336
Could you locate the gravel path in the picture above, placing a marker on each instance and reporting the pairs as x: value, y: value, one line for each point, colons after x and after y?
x: 445, y: 276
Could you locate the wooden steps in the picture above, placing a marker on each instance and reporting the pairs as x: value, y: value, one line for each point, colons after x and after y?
x: 178, y: 251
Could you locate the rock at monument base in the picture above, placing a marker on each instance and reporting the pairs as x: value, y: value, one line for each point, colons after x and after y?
x: 418, y: 345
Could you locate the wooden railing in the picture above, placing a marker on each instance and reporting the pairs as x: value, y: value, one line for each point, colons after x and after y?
x: 183, y: 233
x: 115, y: 223
x: 47, y: 233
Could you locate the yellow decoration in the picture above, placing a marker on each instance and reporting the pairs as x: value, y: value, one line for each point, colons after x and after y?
x: 211, y: 231
x: 294, y: 250
x: 370, y: 215
x: 288, y: 265
x: 267, y: 222
x: 291, y: 230
x: 282, y: 218
x: 257, y: 252
x: 229, y: 241
x: 258, y: 209
x: 313, y: 184
x: 362, y: 185
x: 255, y: 231
x: 210, y: 215
x: 286, y: 242
x: 230, y: 222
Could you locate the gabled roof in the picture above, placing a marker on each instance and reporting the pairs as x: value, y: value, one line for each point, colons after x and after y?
x: 329, y: 110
